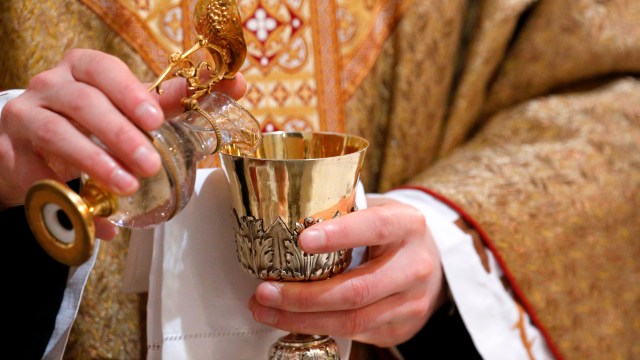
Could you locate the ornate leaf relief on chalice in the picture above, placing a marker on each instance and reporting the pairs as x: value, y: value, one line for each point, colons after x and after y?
x: 273, y: 254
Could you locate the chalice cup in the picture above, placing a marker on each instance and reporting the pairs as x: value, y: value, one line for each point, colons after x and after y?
x: 294, y: 180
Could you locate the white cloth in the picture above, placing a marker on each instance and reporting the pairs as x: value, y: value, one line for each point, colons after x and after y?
x: 199, y: 293
x: 76, y: 282
x: 6, y: 96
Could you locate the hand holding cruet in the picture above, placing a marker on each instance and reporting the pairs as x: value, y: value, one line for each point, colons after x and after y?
x: 62, y: 221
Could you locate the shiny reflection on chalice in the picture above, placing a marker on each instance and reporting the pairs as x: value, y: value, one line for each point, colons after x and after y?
x: 293, y: 181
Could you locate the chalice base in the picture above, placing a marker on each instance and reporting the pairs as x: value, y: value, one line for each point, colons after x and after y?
x: 304, y: 347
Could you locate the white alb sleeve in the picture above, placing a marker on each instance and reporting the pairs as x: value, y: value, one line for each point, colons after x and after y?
x: 6, y: 96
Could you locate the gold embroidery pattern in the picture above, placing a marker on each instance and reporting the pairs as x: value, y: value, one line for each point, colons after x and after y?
x: 148, y: 26
x: 296, y: 50
x: 280, y: 64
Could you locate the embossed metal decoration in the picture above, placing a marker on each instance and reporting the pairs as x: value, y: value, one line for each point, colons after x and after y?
x: 273, y: 254
x: 305, y: 347
x: 220, y: 32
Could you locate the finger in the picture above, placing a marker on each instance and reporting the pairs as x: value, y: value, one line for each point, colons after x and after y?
x: 55, y: 134
x: 360, y: 287
x: 112, y: 76
x: 356, y: 324
x: 376, y: 225
x: 105, y: 229
x: 91, y: 109
x: 235, y: 88
x: 175, y: 89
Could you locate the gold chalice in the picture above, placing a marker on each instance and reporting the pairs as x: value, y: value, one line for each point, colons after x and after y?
x: 293, y: 181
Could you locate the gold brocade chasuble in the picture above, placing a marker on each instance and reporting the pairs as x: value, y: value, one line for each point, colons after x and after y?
x: 295, y: 50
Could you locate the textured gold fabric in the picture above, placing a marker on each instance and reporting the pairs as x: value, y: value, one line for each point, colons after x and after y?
x: 554, y: 182
x: 490, y: 40
x: 35, y: 35
x: 407, y: 94
x: 110, y: 323
x: 521, y: 112
x: 563, y: 42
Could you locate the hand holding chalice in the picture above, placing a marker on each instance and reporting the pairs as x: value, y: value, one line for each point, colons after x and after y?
x: 293, y: 181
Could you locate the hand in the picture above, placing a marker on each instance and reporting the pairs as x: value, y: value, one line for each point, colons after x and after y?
x: 384, y: 301
x: 44, y: 133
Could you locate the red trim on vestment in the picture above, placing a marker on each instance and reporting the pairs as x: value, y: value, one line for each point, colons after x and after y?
x: 487, y: 241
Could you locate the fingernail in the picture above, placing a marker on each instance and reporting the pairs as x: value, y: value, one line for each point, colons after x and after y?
x: 149, y: 115
x: 124, y: 182
x: 147, y: 159
x: 269, y: 294
x: 312, y: 239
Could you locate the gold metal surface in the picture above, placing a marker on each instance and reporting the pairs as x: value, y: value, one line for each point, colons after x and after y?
x: 219, y: 29
x: 318, y: 347
x: 293, y: 181
x: 49, y: 232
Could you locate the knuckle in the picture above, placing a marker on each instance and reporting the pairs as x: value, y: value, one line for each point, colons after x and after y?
x: 43, y: 80
x: 384, y: 222
x: 12, y: 110
x: 6, y: 151
x: 424, y: 270
x: 14, y: 113
x: 74, y: 54
x: 360, y: 293
x: 418, y: 309
x: 416, y: 218
x: 90, y: 64
x: 106, y: 61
